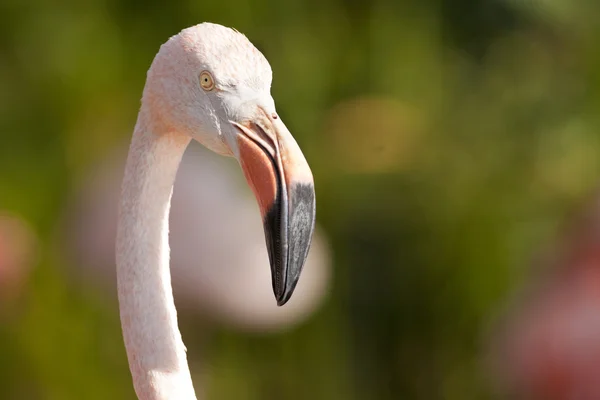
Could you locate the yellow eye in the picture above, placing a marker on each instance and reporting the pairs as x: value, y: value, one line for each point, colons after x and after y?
x: 206, y: 81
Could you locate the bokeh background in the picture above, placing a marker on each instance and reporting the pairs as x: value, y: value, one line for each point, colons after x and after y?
x: 453, y: 142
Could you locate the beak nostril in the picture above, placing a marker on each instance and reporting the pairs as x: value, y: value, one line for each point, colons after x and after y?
x: 274, y: 115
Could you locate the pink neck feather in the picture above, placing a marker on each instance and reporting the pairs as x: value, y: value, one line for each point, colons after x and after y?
x: 155, y: 350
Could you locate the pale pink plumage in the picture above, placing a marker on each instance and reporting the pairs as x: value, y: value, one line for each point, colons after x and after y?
x: 175, y: 110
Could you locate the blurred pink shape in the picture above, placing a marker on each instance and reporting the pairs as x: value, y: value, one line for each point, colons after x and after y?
x: 219, y: 261
x: 17, y: 253
x: 549, y: 344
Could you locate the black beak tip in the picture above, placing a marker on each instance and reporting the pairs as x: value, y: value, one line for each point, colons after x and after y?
x: 282, y: 300
x: 288, y: 236
x: 285, y: 296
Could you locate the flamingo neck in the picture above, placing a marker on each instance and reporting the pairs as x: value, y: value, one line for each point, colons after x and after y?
x: 155, y: 350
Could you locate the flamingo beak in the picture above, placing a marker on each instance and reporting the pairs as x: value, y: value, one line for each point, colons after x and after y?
x: 282, y: 182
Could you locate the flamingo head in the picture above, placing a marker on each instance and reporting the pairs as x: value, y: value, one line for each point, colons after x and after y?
x: 209, y: 82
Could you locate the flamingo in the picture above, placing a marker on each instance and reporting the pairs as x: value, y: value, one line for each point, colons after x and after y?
x: 210, y: 84
x: 18, y: 253
x: 546, y: 344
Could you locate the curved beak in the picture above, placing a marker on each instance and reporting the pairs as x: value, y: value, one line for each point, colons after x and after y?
x: 282, y: 182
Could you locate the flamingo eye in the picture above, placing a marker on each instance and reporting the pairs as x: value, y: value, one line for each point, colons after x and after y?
x: 206, y: 81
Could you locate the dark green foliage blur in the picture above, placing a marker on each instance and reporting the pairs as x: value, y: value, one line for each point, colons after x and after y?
x: 447, y: 138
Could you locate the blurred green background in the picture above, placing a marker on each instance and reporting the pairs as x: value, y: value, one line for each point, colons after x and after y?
x: 447, y: 138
